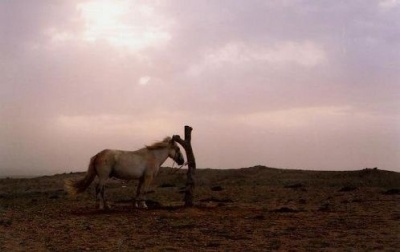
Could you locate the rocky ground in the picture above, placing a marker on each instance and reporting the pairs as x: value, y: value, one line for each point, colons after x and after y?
x: 252, y: 209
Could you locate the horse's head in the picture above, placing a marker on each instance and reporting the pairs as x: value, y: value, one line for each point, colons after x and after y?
x: 175, y: 153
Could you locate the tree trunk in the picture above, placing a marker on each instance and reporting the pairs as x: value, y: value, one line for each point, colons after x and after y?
x: 190, y: 182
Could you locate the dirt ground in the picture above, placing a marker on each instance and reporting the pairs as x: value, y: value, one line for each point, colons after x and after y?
x: 252, y: 209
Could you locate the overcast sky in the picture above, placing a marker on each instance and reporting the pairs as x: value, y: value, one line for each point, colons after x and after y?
x: 292, y: 84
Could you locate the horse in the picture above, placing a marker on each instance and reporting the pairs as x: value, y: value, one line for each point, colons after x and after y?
x: 142, y: 164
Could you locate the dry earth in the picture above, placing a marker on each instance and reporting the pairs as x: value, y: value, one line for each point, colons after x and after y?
x: 252, y: 209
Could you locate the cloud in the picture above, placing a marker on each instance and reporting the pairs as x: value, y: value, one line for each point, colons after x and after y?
x: 305, y: 54
x: 311, y: 84
x: 388, y: 4
x: 144, y: 80
x: 131, y: 25
x: 293, y: 118
x: 127, y: 125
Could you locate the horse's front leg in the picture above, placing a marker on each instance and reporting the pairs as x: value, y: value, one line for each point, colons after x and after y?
x: 139, y: 192
x: 144, y: 183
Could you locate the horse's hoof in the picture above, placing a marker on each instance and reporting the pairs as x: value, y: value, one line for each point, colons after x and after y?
x: 104, y: 207
x: 140, y: 205
x: 143, y: 205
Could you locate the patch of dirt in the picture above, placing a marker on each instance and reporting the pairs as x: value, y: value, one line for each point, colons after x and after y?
x: 254, y: 211
x: 392, y: 192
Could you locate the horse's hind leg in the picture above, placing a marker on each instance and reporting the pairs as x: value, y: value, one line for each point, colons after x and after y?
x: 100, y: 195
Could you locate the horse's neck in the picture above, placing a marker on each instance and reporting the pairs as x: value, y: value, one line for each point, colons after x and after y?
x: 160, y: 155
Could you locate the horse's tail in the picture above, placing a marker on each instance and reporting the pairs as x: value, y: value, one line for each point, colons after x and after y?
x: 73, y: 187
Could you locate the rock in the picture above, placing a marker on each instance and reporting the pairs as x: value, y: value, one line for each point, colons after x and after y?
x: 217, y: 188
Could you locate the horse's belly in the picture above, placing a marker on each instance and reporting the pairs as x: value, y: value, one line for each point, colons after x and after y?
x: 127, y: 173
x: 128, y: 169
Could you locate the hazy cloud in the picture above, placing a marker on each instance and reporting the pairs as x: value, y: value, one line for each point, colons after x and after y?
x: 299, y: 84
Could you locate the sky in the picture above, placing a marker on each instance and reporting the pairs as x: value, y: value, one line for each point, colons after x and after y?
x: 299, y: 84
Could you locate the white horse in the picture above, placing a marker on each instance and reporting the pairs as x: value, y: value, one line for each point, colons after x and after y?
x: 142, y: 164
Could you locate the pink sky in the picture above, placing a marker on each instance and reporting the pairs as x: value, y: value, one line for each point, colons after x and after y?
x: 289, y: 84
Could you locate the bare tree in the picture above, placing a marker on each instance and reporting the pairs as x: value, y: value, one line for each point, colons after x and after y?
x: 190, y: 182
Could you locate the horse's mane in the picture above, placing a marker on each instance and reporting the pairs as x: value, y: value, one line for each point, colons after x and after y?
x: 159, y: 145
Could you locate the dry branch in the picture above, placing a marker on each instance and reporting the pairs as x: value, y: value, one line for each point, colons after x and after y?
x: 190, y: 182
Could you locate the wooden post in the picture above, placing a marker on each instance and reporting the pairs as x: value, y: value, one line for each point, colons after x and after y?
x: 190, y: 182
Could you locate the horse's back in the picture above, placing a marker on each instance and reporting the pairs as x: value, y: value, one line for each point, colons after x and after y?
x: 123, y: 164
